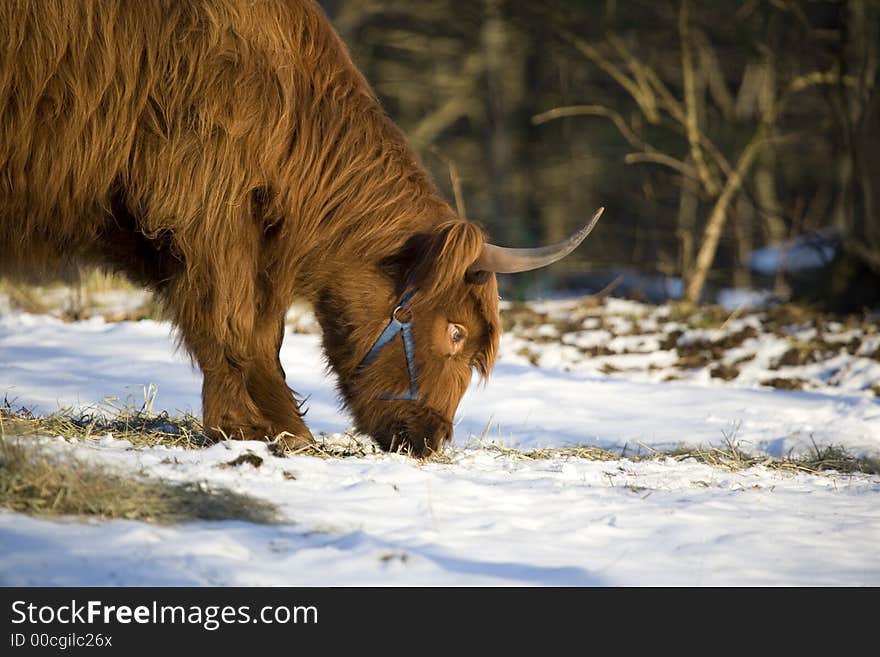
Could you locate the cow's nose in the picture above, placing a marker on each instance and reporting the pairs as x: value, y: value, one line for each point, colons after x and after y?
x: 421, y: 432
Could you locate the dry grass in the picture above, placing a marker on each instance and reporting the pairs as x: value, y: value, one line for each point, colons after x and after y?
x: 44, y: 482
x: 353, y: 447
x: 142, y: 428
x: 729, y: 457
x: 732, y: 457
x: 582, y: 452
x: 27, y: 298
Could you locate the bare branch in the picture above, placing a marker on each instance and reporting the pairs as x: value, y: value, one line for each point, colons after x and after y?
x: 716, y: 154
x: 718, y: 215
x: 594, y: 110
x: 456, y: 189
x: 672, y: 105
x: 454, y: 178
x: 661, y: 158
x: 641, y: 72
x: 462, y: 103
x: 708, y: 59
x: 642, y: 95
x: 690, y: 97
x: 648, y: 153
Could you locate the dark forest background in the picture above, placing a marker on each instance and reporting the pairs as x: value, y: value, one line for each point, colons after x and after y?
x: 707, y: 129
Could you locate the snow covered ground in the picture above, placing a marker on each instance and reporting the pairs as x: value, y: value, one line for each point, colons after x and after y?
x: 487, y: 516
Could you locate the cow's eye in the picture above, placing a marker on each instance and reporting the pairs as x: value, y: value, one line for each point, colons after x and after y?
x: 457, y: 335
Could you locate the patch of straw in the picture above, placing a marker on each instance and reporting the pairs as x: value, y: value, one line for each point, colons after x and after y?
x: 142, y: 428
x: 44, y: 482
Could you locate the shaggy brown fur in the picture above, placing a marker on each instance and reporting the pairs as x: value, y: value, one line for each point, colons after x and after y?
x: 229, y: 156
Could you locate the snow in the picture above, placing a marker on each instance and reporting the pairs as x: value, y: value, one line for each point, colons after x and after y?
x: 487, y: 516
x: 804, y: 252
x: 733, y: 298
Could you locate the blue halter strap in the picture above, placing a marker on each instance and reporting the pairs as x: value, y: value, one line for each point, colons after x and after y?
x: 394, y: 327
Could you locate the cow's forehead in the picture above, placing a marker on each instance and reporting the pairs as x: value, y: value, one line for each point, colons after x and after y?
x: 480, y: 301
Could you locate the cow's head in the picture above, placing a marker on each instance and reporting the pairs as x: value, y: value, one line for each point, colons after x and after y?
x: 405, y: 336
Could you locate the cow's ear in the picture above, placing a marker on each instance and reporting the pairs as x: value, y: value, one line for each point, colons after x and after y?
x: 451, y: 249
x: 400, y: 264
x: 434, y: 261
x: 478, y: 277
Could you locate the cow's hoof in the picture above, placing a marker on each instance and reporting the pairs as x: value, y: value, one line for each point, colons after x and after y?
x: 297, y: 438
x: 288, y: 443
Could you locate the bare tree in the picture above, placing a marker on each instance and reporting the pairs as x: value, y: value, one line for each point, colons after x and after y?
x: 856, y: 103
x: 710, y: 170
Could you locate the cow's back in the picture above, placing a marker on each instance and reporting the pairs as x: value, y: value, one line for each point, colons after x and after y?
x: 166, y: 107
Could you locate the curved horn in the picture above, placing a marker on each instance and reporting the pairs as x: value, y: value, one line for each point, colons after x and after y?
x: 502, y: 260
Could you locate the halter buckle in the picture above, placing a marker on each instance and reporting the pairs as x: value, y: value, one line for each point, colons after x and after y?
x: 407, y: 313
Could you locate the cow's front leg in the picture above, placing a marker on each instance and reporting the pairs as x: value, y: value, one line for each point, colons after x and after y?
x: 242, y: 397
x: 228, y: 410
x: 246, y: 406
x: 267, y: 386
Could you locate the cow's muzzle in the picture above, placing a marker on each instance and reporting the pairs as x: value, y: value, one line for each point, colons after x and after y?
x: 413, y: 429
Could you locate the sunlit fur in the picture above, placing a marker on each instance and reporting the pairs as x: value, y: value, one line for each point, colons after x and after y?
x: 356, y: 308
x: 229, y: 156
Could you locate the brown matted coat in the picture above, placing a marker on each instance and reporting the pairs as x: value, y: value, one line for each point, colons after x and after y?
x: 229, y: 156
